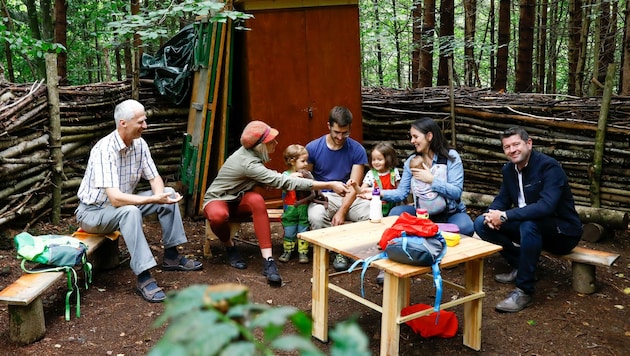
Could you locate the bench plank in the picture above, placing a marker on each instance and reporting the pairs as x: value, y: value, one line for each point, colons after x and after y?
x: 592, y: 257
x: 28, y: 287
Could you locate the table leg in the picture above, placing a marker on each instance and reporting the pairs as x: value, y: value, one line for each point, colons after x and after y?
x: 472, y: 309
x: 320, y: 293
x: 395, y: 297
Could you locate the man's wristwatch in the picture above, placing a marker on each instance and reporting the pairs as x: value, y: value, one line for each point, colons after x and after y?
x: 503, y: 217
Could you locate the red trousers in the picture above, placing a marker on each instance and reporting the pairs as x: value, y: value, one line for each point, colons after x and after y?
x: 252, y: 205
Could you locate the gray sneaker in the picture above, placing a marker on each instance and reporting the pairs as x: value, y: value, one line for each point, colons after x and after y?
x: 340, y: 263
x: 506, y: 278
x: 515, y: 302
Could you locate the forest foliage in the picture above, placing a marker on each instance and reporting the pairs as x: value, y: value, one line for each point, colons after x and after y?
x: 558, y: 46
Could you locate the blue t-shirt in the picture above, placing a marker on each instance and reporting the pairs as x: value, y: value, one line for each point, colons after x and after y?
x: 329, y: 165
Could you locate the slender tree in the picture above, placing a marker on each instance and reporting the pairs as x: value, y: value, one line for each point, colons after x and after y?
x: 470, y: 15
x: 524, y: 64
x: 541, y: 46
x: 503, y: 46
x: 447, y: 24
x: 426, y: 47
x: 416, y: 19
x: 61, y: 25
x: 625, y: 59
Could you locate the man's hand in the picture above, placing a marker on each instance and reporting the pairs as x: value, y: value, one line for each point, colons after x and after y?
x: 340, y: 188
x: 493, y: 218
x: 168, y: 198
x: 423, y: 174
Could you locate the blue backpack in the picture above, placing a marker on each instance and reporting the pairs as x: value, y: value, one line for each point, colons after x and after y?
x: 416, y: 251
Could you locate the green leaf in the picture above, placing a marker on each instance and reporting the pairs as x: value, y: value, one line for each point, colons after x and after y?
x: 241, y: 348
x: 348, y: 339
x: 296, y: 343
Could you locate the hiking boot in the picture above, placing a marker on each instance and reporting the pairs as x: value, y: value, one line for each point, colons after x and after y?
x: 271, y: 272
x: 340, y: 263
x: 303, y: 258
x: 234, y: 258
x: 515, y: 302
x: 506, y: 278
x: 285, y: 257
x: 288, y: 246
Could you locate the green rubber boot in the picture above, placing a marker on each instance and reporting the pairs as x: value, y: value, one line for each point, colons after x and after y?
x: 303, y: 251
x: 288, y: 249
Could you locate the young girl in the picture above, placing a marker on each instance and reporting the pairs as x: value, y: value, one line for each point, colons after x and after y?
x: 295, y: 216
x: 383, y: 172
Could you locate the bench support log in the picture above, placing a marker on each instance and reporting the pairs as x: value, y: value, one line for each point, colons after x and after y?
x: 26, y: 322
x: 583, y: 277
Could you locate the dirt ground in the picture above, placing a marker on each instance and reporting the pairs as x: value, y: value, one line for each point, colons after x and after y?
x: 116, y: 321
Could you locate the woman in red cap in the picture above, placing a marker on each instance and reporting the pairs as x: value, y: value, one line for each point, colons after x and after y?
x: 231, y: 194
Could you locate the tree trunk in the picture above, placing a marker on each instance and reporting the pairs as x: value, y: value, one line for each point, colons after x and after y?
x: 500, y: 83
x: 61, y: 26
x: 33, y: 23
x: 426, y: 49
x: 445, y: 40
x: 574, y: 37
x: 625, y: 55
x: 525, y: 49
x: 416, y: 32
x: 541, y: 47
x: 470, y: 15
x: 7, y: 47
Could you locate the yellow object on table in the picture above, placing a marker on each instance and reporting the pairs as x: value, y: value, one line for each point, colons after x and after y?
x: 452, y: 239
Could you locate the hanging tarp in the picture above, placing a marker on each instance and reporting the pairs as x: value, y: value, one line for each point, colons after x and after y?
x: 171, y: 67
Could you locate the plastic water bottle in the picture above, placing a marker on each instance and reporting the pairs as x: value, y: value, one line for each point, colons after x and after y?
x: 422, y: 213
x: 376, y: 208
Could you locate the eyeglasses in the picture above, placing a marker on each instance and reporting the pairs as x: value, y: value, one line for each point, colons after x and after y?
x: 342, y: 134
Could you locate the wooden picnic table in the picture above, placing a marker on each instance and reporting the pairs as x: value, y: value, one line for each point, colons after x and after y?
x: 359, y: 241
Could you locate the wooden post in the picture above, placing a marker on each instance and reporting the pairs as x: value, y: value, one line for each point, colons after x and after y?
x: 600, y: 138
x: 52, y: 83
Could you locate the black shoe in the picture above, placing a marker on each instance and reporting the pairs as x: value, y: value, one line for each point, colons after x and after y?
x: 271, y: 272
x: 234, y: 258
x: 507, y: 278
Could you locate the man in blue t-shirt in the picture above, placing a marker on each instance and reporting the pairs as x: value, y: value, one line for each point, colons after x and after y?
x: 337, y: 157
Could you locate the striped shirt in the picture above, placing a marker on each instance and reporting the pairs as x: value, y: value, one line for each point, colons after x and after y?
x: 114, y: 165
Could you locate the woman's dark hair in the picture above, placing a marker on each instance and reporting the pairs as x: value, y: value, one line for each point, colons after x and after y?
x: 438, y: 144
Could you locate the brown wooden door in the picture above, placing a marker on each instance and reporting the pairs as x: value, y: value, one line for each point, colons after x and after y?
x: 299, y: 63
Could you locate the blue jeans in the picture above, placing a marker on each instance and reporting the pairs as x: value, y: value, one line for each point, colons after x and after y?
x: 462, y: 220
x: 532, y: 236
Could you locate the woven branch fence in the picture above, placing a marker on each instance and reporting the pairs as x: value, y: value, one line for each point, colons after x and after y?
x: 561, y: 126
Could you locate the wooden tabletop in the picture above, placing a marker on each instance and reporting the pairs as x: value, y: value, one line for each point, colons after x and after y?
x: 360, y: 240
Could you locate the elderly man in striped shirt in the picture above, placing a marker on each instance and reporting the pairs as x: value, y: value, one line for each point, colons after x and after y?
x: 109, y: 202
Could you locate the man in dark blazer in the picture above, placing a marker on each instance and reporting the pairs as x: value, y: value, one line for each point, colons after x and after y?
x: 533, y: 211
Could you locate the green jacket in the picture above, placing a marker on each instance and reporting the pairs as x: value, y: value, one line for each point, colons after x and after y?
x: 242, y: 171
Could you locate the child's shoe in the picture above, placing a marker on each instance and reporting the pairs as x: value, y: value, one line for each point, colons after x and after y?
x: 303, y: 251
x: 288, y: 249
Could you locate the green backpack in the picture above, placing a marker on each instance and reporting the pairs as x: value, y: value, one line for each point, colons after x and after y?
x: 56, y: 253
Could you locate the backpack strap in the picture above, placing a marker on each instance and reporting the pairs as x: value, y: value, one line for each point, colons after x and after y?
x: 437, y: 276
x: 366, y: 263
x: 71, y: 277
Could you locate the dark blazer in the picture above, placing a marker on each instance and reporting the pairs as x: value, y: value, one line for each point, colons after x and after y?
x: 547, y: 194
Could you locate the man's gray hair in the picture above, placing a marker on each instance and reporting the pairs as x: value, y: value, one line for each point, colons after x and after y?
x: 127, y: 110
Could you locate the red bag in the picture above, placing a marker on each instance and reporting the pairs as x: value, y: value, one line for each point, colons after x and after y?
x: 425, y: 325
x: 412, y: 225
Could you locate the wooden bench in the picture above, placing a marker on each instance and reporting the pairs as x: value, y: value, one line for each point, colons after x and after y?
x: 275, y: 215
x: 583, y: 263
x: 26, y: 310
